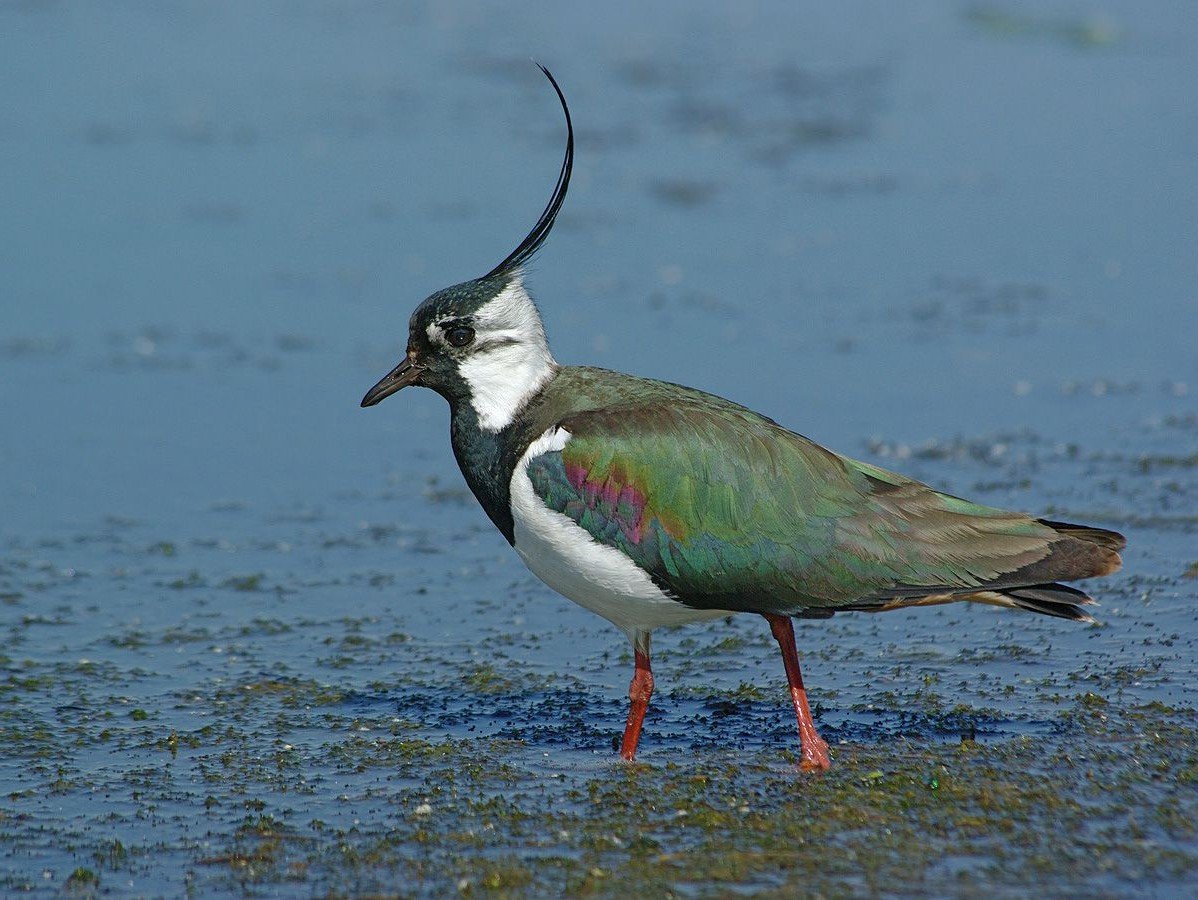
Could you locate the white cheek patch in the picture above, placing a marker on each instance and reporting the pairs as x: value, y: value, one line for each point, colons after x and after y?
x: 511, y: 315
x: 502, y: 380
x: 504, y: 376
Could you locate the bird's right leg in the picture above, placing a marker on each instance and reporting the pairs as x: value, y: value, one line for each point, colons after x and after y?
x: 812, y: 747
x: 639, y: 693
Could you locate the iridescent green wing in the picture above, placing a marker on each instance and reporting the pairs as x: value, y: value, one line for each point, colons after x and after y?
x: 725, y: 509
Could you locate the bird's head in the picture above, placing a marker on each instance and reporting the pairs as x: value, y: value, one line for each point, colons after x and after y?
x: 482, y: 342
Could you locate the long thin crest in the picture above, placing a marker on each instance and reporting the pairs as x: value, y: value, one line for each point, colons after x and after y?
x: 540, y: 231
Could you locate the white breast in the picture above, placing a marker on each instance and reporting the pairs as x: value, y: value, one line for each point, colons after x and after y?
x: 594, y: 575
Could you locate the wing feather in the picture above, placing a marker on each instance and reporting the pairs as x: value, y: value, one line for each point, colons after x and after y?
x: 726, y: 509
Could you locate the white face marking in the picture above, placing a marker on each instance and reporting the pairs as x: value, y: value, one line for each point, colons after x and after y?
x: 510, y: 359
x: 594, y: 575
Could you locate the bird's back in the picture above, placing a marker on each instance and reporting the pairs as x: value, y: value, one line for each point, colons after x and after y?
x: 726, y: 509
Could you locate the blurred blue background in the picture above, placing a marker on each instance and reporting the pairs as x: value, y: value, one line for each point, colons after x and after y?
x: 900, y: 221
x: 957, y: 239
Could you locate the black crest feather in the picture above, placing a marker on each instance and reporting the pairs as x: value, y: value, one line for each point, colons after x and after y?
x: 540, y: 231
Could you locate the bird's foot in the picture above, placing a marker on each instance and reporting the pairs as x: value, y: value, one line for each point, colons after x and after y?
x: 814, y: 756
x: 639, y: 693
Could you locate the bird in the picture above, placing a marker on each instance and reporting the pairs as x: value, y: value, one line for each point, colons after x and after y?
x: 653, y: 504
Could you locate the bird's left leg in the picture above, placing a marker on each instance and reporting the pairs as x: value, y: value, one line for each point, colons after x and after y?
x: 639, y: 693
x: 812, y: 747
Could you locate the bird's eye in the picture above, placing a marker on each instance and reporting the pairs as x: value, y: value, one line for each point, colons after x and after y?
x: 460, y: 335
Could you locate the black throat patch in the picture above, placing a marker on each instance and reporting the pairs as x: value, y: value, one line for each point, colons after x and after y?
x: 488, y: 458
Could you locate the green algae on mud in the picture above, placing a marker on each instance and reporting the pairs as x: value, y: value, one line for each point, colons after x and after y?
x: 1105, y: 804
x: 295, y: 785
x: 254, y: 642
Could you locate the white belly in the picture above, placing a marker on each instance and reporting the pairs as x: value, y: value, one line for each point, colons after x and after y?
x: 594, y: 575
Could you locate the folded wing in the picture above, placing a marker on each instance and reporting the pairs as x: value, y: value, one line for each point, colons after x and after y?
x: 725, y: 509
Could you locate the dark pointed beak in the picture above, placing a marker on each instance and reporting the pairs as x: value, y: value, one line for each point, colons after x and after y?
x: 406, y: 373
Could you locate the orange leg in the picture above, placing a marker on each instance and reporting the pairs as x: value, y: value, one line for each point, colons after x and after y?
x: 814, y: 750
x: 639, y: 693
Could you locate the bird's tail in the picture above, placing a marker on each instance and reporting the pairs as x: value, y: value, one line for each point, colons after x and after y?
x: 1054, y: 599
x: 1081, y: 551
x: 1078, y: 551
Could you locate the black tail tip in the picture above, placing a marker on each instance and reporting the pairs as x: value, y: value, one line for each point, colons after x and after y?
x: 1059, y: 600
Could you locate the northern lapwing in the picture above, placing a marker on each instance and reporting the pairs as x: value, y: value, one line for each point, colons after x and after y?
x: 654, y: 504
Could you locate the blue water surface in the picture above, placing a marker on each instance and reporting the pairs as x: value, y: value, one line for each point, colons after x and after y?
x: 956, y: 240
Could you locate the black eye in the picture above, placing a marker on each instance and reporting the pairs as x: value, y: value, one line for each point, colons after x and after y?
x: 460, y: 335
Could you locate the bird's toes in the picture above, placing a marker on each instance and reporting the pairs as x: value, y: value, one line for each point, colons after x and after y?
x: 815, y: 758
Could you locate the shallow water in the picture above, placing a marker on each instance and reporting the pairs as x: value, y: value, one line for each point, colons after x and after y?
x: 259, y: 640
